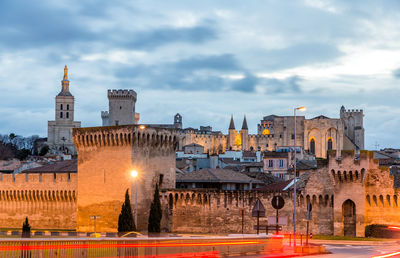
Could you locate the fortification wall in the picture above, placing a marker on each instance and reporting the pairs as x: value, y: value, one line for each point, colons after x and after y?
x: 212, y: 144
x: 107, y: 155
x: 204, y: 211
x: 49, y: 202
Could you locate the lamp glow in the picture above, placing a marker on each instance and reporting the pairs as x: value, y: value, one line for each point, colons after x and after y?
x: 142, y: 127
x: 301, y: 109
x: 134, y: 173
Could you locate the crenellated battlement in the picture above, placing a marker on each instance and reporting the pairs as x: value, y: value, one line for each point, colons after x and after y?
x: 128, y: 94
x: 38, y: 187
x: 104, y: 114
x: 125, y: 135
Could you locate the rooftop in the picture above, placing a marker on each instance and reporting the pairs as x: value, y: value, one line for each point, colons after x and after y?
x: 62, y: 166
x: 216, y: 176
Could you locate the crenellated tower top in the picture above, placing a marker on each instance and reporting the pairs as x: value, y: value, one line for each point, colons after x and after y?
x: 122, y: 94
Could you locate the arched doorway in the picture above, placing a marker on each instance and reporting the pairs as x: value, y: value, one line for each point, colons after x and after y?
x: 330, y: 144
x: 349, y: 218
x: 312, y: 146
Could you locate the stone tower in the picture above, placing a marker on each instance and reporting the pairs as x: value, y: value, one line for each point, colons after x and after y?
x: 353, y: 126
x: 231, y: 135
x: 59, y: 133
x: 178, y: 121
x: 244, y: 133
x: 121, y: 108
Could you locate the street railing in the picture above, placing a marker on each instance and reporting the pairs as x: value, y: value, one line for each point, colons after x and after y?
x: 116, y: 247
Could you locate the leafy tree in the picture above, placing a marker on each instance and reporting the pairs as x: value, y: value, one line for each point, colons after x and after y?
x: 155, y: 213
x: 44, y: 150
x: 22, y: 154
x: 26, y: 229
x: 125, y: 219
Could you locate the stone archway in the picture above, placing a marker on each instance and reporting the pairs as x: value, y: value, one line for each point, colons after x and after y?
x: 349, y: 218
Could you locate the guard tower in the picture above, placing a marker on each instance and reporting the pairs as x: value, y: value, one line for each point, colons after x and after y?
x: 121, y: 108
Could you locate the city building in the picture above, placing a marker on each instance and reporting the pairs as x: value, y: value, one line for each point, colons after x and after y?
x: 219, y: 179
x: 59, y: 132
x: 316, y: 136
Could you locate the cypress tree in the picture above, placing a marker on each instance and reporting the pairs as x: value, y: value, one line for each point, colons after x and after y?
x: 155, y: 213
x: 26, y: 229
x: 125, y: 219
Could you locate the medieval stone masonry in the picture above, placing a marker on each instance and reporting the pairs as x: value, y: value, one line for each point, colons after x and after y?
x: 316, y: 135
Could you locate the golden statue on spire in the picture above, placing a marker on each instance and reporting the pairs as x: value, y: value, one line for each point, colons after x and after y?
x: 65, y: 73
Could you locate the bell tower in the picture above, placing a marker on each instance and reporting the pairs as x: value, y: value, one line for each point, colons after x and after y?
x: 59, y: 132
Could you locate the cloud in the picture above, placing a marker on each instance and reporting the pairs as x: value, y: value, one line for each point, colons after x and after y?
x: 224, y: 62
x: 247, y: 84
x: 154, y: 38
x: 396, y: 73
x: 291, y: 84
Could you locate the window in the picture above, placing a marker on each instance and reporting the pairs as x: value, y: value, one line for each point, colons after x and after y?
x: 280, y: 136
x: 61, y: 106
x: 330, y: 143
x: 54, y: 177
x: 116, y: 122
x: 40, y: 177
x: 26, y: 177
x: 281, y: 163
x: 67, y: 115
x: 69, y: 177
x: 270, y: 163
x: 61, y: 115
x: 67, y: 106
x: 120, y: 107
x: 292, y: 136
x: 160, y: 180
x: 312, y: 146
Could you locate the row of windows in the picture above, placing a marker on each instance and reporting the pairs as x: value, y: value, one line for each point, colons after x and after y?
x: 271, y: 163
x: 312, y: 145
x: 61, y: 106
x: 66, y: 114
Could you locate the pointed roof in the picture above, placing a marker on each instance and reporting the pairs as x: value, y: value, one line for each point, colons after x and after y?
x: 244, y: 125
x: 65, y: 73
x: 232, y: 124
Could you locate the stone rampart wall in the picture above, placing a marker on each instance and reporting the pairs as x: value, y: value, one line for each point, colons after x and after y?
x: 48, y: 202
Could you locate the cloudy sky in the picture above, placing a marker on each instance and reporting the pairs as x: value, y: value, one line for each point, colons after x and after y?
x: 204, y: 59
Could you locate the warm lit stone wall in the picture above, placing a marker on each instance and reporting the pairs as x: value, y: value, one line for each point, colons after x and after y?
x: 48, y: 203
x: 106, y: 156
x: 350, y: 178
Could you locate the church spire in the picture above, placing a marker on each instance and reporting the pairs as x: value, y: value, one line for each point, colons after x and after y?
x: 65, y: 73
x: 232, y: 124
x: 65, y: 84
x: 244, y: 125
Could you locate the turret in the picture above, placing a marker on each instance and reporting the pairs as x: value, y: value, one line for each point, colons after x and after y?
x: 178, y: 121
x: 231, y: 134
x: 244, y: 134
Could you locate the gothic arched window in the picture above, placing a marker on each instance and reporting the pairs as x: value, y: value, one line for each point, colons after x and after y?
x: 312, y: 146
x: 61, y: 114
x: 67, y: 106
x: 330, y: 144
x: 67, y: 115
x: 61, y: 106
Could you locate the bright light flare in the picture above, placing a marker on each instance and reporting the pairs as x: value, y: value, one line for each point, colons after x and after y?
x: 386, y: 255
x: 302, y: 109
x: 134, y: 173
x: 142, y: 127
x: 394, y: 227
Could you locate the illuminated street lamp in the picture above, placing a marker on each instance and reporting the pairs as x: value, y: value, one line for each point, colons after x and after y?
x: 295, y: 179
x: 134, y: 175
